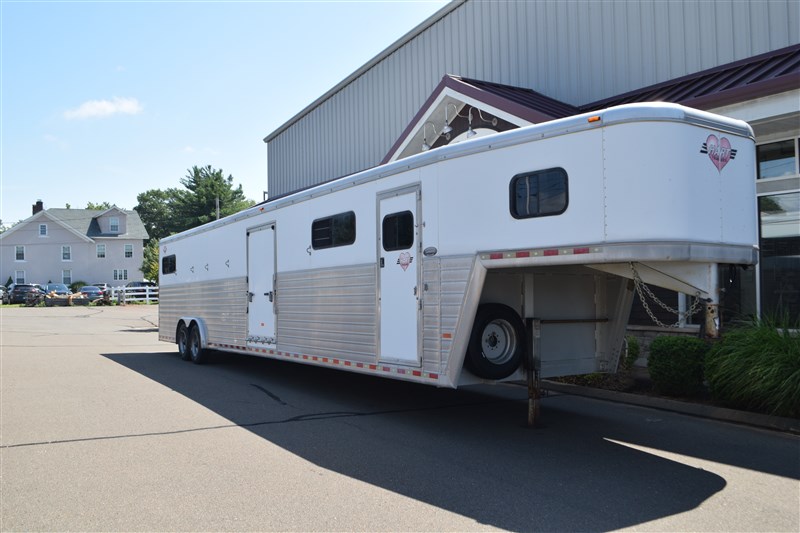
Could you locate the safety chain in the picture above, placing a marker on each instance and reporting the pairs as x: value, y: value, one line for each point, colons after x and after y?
x: 642, y: 289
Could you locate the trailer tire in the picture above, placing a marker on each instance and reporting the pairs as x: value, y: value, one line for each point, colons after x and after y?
x: 196, y: 351
x: 182, y: 339
x: 497, y: 342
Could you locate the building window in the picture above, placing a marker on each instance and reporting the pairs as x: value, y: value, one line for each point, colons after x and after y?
x: 336, y: 230
x: 168, y: 264
x: 128, y: 251
x: 121, y: 274
x: 66, y: 277
x: 19, y: 276
x: 780, y: 254
x: 398, y: 231
x: 114, y: 224
x: 539, y: 194
x: 101, y: 251
x: 42, y: 230
x: 19, y: 253
x: 777, y: 159
x: 66, y: 253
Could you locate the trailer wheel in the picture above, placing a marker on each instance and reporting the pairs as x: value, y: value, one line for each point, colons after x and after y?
x: 183, y: 342
x: 196, y: 352
x: 497, y: 342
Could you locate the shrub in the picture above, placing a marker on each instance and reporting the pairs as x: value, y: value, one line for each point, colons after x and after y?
x: 757, y: 367
x: 632, y: 352
x: 676, y: 365
x: 76, y: 286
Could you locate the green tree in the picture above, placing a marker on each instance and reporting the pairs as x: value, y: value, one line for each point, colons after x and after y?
x: 150, y: 261
x: 102, y: 206
x: 157, y: 210
x: 169, y: 211
x: 206, y: 186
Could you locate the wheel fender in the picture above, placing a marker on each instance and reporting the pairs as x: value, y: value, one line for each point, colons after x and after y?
x: 201, y: 327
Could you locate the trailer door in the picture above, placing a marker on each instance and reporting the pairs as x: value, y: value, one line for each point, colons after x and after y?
x: 260, y: 282
x: 398, y: 275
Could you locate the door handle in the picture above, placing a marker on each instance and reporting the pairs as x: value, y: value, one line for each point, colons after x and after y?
x: 269, y: 295
x: 250, y: 296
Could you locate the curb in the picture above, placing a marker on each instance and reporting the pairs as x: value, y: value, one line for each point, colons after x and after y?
x: 777, y: 423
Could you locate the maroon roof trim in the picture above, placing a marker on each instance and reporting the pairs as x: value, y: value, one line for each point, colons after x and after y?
x: 520, y: 102
x: 754, y: 77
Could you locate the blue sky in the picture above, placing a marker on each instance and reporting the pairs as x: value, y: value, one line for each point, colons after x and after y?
x: 104, y: 100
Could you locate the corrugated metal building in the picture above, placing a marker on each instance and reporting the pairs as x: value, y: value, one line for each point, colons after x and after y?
x: 519, y: 62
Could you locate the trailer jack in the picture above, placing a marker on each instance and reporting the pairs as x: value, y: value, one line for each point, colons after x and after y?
x: 533, y: 328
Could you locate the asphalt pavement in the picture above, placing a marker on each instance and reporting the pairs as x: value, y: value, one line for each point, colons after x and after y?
x: 104, y: 428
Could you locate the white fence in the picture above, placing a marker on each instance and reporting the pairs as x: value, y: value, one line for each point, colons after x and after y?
x: 135, y: 294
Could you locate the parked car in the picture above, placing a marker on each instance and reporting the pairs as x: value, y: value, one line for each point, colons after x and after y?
x: 92, y: 292
x: 141, y: 284
x: 4, y: 294
x: 21, y: 291
x: 59, y: 288
x: 102, y: 286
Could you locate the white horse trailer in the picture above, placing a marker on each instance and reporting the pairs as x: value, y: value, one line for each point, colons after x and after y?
x: 476, y: 261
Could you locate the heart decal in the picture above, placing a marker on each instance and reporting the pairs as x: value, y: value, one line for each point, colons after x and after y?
x: 719, y: 151
x: 404, y: 260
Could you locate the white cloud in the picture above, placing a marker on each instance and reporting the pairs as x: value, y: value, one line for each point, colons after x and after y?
x: 189, y: 149
x: 105, y: 108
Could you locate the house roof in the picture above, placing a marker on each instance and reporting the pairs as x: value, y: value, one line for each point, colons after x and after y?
x: 83, y: 222
x: 762, y: 75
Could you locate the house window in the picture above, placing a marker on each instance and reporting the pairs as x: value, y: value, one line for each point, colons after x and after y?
x: 336, y: 230
x: 19, y: 276
x: 42, y: 230
x: 101, y: 251
x: 128, y: 251
x: 777, y: 159
x: 539, y: 194
x: 19, y: 253
x: 66, y: 253
x: 66, y: 277
x: 120, y: 274
x: 114, y: 224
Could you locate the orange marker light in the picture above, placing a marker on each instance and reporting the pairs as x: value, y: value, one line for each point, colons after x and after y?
x: 595, y: 118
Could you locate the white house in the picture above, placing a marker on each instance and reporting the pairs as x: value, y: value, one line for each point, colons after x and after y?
x: 68, y: 245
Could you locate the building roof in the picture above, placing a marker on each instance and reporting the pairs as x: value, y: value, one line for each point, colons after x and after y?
x: 84, y: 221
x: 755, y: 77
x: 549, y: 107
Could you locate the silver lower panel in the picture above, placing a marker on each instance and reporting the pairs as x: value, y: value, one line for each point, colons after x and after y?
x: 222, y: 304
x: 330, y: 312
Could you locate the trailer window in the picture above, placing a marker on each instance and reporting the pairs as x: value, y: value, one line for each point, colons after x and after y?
x: 398, y: 231
x: 168, y: 265
x: 538, y: 194
x: 336, y: 230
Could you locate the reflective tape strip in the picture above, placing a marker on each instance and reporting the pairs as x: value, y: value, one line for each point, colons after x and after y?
x: 543, y: 252
x: 333, y: 361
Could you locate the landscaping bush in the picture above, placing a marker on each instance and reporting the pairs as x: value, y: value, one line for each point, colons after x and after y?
x: 676, y: 365
x: 757, y: 367
x: 632, y: 352
x: 76, y: 286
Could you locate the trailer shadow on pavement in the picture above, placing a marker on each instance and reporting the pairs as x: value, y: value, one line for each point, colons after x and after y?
x: 469, y: 451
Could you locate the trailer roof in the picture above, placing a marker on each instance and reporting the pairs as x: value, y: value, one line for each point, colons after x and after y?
x: 642, y: 112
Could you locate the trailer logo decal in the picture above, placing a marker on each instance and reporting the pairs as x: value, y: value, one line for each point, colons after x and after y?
x: 718, y: 150
x: 404, y: 260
